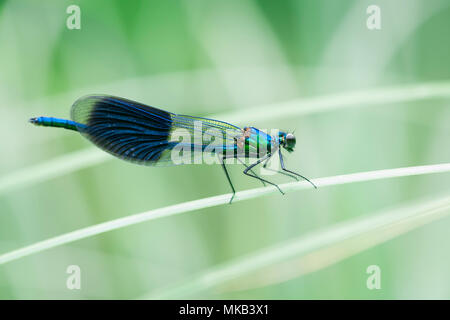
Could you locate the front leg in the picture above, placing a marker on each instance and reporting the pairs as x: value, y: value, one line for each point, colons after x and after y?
x: 257, y: 177
x: 243, y: 163
x: 278, y: 171
x: 297, y: 174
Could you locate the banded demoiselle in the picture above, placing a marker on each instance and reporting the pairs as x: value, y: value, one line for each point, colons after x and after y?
x: 146, y: 135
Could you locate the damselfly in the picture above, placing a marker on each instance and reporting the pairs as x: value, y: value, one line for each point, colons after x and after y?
x: 146, y: 135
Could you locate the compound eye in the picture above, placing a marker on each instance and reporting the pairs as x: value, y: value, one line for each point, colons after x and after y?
x: 290, y: 140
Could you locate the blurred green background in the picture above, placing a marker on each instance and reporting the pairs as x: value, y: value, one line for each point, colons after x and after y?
x: 213, y: 57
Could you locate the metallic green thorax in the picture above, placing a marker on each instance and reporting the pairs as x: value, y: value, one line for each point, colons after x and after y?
x: 255, y: 143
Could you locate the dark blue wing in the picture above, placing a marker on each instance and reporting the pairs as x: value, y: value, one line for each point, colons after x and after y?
x: 146, y: 135
x: 127, y: 129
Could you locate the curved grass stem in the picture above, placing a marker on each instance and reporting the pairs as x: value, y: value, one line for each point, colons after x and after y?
x: 215, y: 201
x: 308, y: 253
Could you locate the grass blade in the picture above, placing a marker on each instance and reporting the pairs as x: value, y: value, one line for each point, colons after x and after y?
x: 310, y: 252
x: 53, y: 168
x: 215, y: 201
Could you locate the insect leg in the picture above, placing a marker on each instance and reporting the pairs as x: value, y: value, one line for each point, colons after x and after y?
x: 259, y: 178
x: 297, y: 174
x: 222, y: 162
x: 243, y: 163
x: 278, y: 171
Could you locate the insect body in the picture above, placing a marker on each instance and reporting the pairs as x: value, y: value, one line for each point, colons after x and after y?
x: 146, y: 135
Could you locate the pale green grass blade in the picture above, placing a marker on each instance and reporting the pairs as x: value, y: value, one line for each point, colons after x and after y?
x: 310, y: 252
x: 215, y: 201
x: 53, y: 168
x: 89, y: 157
x: 355, y: 99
